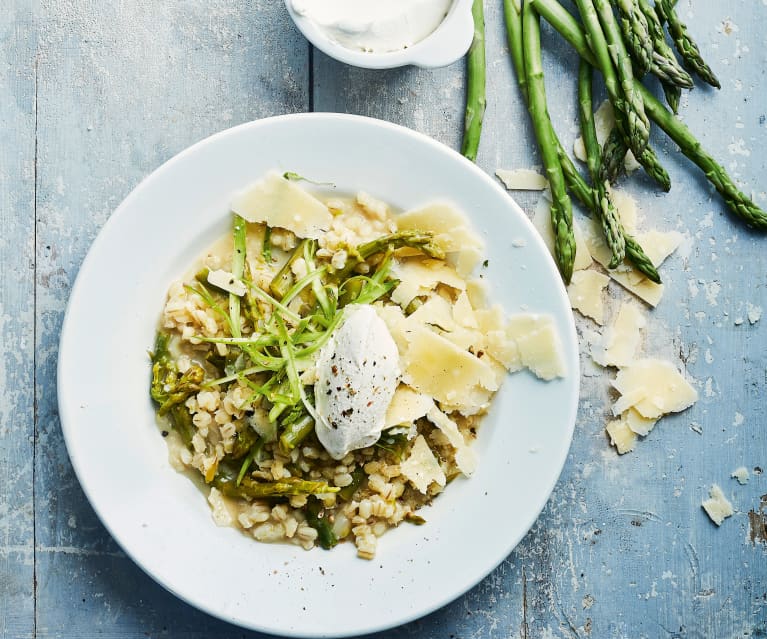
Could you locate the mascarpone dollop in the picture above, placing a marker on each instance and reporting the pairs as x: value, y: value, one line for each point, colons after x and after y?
x: 357, y: 374
x: 376, y: 26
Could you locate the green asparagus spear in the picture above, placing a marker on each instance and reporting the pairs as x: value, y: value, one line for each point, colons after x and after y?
x: 358, y: 477
x: 168, y: 388
x: 244, y: 442
x: 296, y: 431
x: 561, y: 207
x: 640, y: 260
x: 170, y: 391
x: 673, y: 95
x: 266, y: 249
x: 316, y: 517
x: 423, y: 241
x: 181, y: 421
x: 652, y: 166
x: 475, y: 85
x: 636, y: 34
x: 684, y: 43
x: 512, y: 13
x: 239, y: 232
x: 737, y: 201
x: 419, y: 240
x: 284, y: 279
x: 665, y: 65
x: 575, y: 182
x: 250, y: 488
x: 614, y: 64
x: 613, y: 156
x: 609, y: 218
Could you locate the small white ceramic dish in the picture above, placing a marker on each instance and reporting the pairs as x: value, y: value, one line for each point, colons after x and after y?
x: 448, y: 43
x: 162, y: 520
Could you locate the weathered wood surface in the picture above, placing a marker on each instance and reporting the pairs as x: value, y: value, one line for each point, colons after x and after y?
x: 95, y: 95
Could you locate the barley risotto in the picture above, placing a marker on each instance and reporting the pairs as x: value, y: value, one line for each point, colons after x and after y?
x: 323, y: 370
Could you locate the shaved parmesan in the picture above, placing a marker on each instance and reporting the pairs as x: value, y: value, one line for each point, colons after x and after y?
x: 418, y: 277
x: 407, y: 406
x: 421, y: 468
x: 398, y: 325
x: 640, y: 425
x: 585, y: 293
x: 227, y: 282
x: 504, y: 349
x: 463, y: 313
x: 522, y: 179
x: 278, y: 202
x: 435, y: 311
x: 663, y: 388
x: 542, y: 222
x: 623, y: 337
x: 465, y: 260
x: 539, y: 349
x: 523, y: 340
x: 452, y: 230
x: 437, y: 367
x: 473, y: 402
x: 465, y: 457
x: 658, y: 246
x: 626, y: 401
x: 627, y: 209
x: 627, y: 276
x: 491, y: 319
x: 717, y: 506
x: 476, y: 289
x: 465, y: 338
x: 621, y: 436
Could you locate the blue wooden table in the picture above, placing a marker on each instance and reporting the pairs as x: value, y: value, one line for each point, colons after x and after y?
x: 95, y: 95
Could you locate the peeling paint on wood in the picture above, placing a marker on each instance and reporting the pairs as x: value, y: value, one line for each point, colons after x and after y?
x: 95, y: 95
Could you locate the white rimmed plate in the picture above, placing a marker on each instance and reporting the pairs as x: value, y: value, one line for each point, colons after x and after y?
x: 159, y: 516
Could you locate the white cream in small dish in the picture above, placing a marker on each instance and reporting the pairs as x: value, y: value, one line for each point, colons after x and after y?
x: 380, y: 34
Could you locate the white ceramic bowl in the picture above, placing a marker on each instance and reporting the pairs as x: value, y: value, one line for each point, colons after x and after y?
x: 449, y: 42
x: 160, y: 517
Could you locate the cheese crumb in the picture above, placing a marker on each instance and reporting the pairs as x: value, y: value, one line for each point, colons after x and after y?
x: 522, y: 179
x: 717, y: 507
x: 741, y: 474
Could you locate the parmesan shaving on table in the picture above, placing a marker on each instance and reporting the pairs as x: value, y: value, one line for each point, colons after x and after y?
x: 522, y: 179
x: 717, y: 506
x: 585, y: 293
